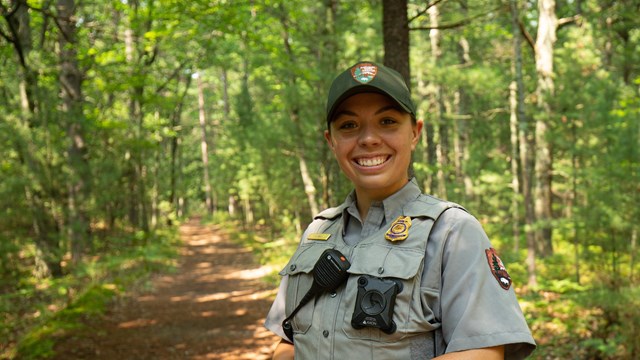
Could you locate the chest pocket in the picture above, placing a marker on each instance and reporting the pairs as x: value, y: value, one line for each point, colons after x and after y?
x: 387, y: 262
x: 299, y: 269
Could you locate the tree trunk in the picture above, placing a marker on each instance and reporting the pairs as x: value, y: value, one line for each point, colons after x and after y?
x: 175, y: 143
x: 441, y: 129
x: 525, y: 140
x: 137, y: 171
x: 204, y: 148
x: 547, y: 24
x: 225, y: 93
x: 328, y: 58
x: 131, y: 172
x: 574, y: 202
x: 71, y: 92
x: 515, y: 181
x: 395, y: 35
x: 461, y: 124
x: 20, y: 25
x: 47, y: 254
x: 307, y: 181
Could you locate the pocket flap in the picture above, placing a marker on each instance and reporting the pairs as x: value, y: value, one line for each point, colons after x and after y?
x: 386, y: 261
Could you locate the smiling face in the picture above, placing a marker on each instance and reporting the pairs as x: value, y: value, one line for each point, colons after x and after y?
x: 372, y: 139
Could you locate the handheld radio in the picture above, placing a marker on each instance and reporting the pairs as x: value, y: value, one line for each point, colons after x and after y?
x: 329, y: 272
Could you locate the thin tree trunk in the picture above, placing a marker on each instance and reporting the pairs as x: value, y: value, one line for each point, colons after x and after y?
x: 131, y: 171
x: 175, y: 143
x: 547, y: 24
x: 461, y: 140
x: 155, y: 196
x: 574, y: 201
x: 227, y: 113
x: 515, y: 181
x: 441, y: 129
x: 248, y: 211
x: 233, y: 206
x: 307, y: 181
x: 71, y: 89
x: 525, y: 139
x: 225, y: 93
x: 204, y: 148
x: 328, y: 58
x: 634, y: 250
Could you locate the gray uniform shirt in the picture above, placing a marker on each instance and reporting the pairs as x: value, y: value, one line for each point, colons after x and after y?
x: 474, y: 311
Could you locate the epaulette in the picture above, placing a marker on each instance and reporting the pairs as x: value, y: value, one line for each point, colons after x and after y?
x: 331, y: 213
x: 428, y: 206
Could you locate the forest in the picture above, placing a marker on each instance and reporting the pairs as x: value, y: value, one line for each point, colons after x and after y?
x: 119, y: 119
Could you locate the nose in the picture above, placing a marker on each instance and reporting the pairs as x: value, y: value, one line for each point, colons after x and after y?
x: 369, y: 136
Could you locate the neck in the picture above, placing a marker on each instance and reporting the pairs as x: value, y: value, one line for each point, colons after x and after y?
x: 363, y: 205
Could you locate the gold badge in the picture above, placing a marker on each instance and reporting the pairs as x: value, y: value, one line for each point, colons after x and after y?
x: 318, y: 236
x: 399, y: 229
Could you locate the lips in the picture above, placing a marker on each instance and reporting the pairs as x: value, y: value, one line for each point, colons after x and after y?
x: 371, y: 161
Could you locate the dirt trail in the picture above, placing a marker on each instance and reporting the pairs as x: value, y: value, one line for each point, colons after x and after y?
x: 213, y: 307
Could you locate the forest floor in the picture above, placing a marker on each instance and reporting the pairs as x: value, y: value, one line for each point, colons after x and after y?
x: 212, y: 307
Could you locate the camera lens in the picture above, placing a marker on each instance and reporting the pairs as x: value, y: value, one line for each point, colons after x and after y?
x: 373, y: 302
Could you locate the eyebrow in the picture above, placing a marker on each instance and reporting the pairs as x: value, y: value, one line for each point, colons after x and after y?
x: 387, y: 108
x: 343, y: 112
x: 380, y: 111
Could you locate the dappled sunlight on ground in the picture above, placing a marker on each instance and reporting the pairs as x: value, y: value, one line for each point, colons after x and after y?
x: 212, y: 308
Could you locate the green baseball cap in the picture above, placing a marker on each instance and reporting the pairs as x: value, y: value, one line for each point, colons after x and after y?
x: 367, y: 76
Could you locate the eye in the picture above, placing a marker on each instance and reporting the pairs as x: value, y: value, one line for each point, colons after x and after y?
x: 346, y: 125
x: 388, y: 121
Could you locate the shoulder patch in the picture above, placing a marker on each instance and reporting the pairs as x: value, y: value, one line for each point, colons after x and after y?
x: 497, y: 268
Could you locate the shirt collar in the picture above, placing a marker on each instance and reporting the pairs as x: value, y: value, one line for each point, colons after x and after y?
x: 392, y: 206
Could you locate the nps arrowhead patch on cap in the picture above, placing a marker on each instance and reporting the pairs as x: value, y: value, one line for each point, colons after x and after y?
x: 497, y: 268
x: 364, y: 72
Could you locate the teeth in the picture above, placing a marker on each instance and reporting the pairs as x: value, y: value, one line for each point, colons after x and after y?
x: 371, y: 161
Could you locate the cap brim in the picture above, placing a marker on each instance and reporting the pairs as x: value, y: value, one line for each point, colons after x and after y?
x: 359, y: 90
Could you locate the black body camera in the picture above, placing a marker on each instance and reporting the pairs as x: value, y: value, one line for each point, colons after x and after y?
x: 374, y: 303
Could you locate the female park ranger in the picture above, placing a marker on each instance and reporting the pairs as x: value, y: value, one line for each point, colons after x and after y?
x: 421, y: 279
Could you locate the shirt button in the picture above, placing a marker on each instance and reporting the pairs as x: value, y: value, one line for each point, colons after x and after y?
x: 380, y: 270
x: 325, y: 333
x: 292, y: 267
x: 333, y: 294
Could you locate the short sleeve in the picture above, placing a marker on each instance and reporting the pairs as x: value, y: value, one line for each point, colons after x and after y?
x: 277, y: 314
x: 477, y: 309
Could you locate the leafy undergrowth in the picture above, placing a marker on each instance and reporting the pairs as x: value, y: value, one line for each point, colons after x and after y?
x: 589, y: 324
x: 41, y: 311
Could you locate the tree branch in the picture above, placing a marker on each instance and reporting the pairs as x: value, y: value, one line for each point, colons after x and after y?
x: 527, y: 36
x: 456, y: 24
x: 171, y: 77
x: 14, y: 38
x: 423, y: 11
x: 49, y: 14
x: 568, y: 20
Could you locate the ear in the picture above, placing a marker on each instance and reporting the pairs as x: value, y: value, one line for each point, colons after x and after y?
x: 327, y: 136
x: 417, y: 132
